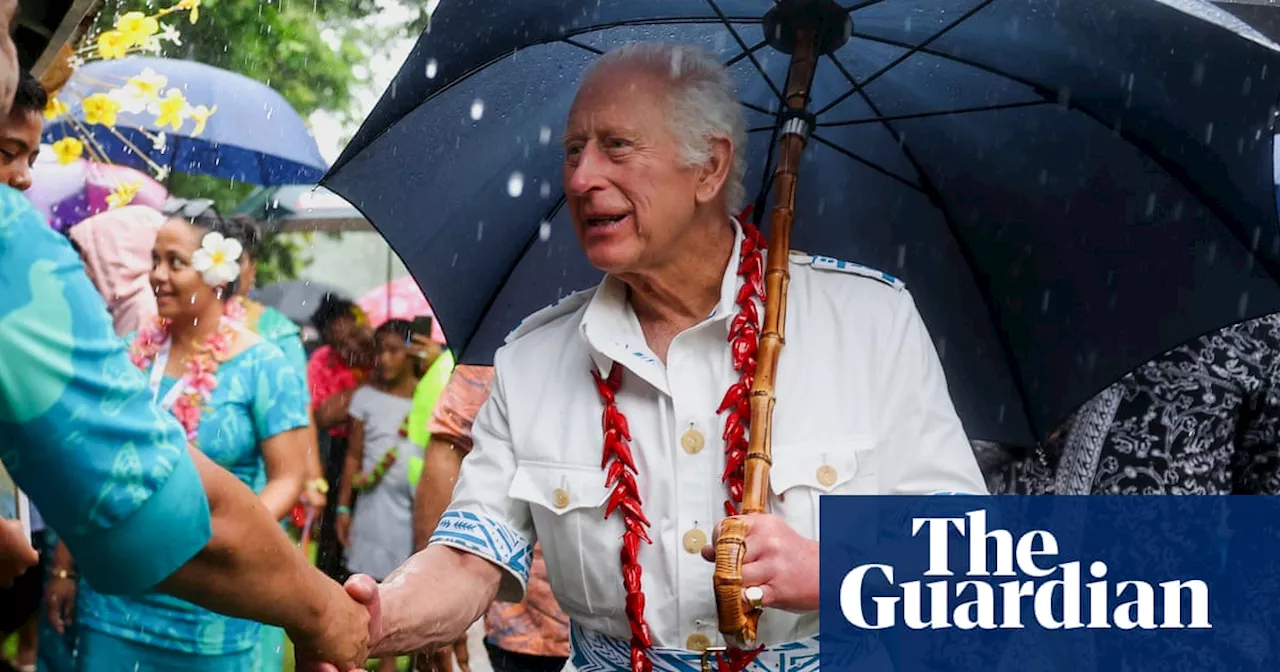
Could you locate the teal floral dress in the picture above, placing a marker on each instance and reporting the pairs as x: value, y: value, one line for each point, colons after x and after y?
x: 259, y: 395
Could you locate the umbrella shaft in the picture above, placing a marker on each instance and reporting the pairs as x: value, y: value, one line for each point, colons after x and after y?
x: 776, y: 278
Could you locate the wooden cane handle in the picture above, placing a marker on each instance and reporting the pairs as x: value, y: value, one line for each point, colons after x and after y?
x: 731, y: 549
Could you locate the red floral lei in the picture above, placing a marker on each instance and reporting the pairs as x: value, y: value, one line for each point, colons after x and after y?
x: 744, y: 336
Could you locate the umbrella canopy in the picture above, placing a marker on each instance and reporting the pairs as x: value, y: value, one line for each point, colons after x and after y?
x: 297, y: 299
x: 301, y: 207
x: 400, y: 299
x: 1069, y: 187
x: 68, y: 194
x: 254, y: 136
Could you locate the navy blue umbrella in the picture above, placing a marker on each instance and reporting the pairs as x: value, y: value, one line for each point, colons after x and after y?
x: 255, y: 136
x: 1069, y: 187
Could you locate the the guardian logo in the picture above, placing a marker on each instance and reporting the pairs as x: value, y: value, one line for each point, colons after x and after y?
x: 1054, y: 594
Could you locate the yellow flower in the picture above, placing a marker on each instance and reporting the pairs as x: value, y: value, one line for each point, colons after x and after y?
x: 67, y: 150
x: 193, y: 6
x: 172, y: 109
x: 200, y: 114
x: 148, y: 84
x: 124, y: 194
x: 113, y: 44
x: 100, y: 109
x: 137, y: 27
x: 55, y: 108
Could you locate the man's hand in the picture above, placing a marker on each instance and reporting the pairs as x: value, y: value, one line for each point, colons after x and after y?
x: 343, y: 640
x: 16, y: 553
x: 783, y: 564
x: 441, y: 660
x: 60, y: 601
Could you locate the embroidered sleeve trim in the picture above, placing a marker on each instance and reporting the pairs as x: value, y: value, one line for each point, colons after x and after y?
x: 488, y: 538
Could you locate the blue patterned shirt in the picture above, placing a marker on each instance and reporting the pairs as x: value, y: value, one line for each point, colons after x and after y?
x: 108, y: 469
x: 259, y: 395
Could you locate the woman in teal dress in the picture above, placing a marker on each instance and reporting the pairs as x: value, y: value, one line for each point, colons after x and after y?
x: 244, y: 405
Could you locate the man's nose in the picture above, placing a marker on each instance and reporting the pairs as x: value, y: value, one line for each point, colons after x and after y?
x: 589, y: 172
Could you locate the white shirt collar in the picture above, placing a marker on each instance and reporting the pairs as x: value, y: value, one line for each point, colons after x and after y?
x: 612, y: 332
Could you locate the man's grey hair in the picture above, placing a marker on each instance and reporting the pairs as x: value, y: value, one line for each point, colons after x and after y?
x: 703, y: 104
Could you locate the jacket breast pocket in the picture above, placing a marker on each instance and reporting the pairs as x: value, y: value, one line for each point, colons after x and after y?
x: 804, y: 471
x: 567, y: 503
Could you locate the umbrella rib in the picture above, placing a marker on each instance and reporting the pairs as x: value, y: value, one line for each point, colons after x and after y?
x: 757, y: 108
x: 867, y: 162
x: 910, y: 52
x: 984, y: 290
x: 754, y: 48
x: 745, y: 49
x: 942, y: 113
x: 1192, y: 186
x: 862, y: 5
x: 586, y: 47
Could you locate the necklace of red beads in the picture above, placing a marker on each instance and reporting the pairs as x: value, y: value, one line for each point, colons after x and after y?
x: 744, y: 337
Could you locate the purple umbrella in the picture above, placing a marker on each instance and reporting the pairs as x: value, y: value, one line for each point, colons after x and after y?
x: 68, y: 194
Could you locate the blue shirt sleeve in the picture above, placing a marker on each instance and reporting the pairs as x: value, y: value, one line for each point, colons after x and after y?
x: 79, y: 431
x: 280, y: 400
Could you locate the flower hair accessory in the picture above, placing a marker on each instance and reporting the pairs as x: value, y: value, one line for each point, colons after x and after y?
x: 218, y: 259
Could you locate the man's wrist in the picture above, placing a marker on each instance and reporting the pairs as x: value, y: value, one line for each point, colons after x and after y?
x: 343, y: 510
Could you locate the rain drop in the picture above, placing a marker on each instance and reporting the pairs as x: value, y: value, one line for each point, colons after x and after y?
x: 545, y: 190
x: 1197, y: 74
x: 432, y: 66
x: 515, y: 185
x: 1208, y: 133
x: 480, y: 231
x: 477, y: 109
x: 544, y: 231
x: 1044, y: 303
x: 1243, y: 305
x: 902, y: 256
x: 1248, y: 86
x: 454, y: 263
x: 544, y: 136
x: 1151, y: 204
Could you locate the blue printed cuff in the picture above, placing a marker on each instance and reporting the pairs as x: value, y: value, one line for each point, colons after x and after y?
x: 488, y: 538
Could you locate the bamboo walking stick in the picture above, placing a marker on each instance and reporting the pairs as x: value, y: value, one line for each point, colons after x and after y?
x: 805, y: 29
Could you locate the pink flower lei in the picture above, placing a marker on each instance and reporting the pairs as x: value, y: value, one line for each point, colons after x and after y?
x: 200, y: 380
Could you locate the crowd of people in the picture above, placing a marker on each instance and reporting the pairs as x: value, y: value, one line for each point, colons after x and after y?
x: 569, y: 495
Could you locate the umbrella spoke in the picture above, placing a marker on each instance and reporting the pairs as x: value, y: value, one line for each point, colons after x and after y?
x: 757, y: 108
x: 746, y: 54
x: 910, y: 52
x: 745, y: 49
x: 931, y: 191
x: 585, y: 47
x: 868, y: 163
x: 940, y: 113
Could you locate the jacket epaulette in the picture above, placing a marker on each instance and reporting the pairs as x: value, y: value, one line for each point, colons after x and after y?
x: 822, y: 263
x: 548, y: 314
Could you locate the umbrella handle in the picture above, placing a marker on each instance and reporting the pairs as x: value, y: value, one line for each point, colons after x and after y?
x: 736, y: 622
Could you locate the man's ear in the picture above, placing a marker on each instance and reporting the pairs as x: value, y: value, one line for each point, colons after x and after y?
x: 713, y: 174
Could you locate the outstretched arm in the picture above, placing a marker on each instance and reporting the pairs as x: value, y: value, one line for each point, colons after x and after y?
x: 461, y: 586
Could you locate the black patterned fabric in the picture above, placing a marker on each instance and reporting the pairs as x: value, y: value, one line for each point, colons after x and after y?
x: 1202, y: 419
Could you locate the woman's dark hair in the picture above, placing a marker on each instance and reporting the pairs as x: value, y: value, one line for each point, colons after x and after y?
x: 202, y: 214
x: 401, y: 328
x: 332, y: 308
x: 30, y: 96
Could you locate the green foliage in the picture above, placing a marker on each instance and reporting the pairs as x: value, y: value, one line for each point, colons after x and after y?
x: 308, y: 50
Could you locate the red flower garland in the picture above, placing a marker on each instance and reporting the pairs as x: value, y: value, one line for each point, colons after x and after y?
x: 744, y: 336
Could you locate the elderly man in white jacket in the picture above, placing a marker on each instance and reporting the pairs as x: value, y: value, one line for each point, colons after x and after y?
x: 614, y: 431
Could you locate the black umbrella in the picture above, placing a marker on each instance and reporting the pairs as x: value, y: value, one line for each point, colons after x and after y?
x: 1069, y: 187
x: 297, y: 299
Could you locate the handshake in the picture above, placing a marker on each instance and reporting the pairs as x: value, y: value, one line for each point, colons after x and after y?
x: 343, y: 636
